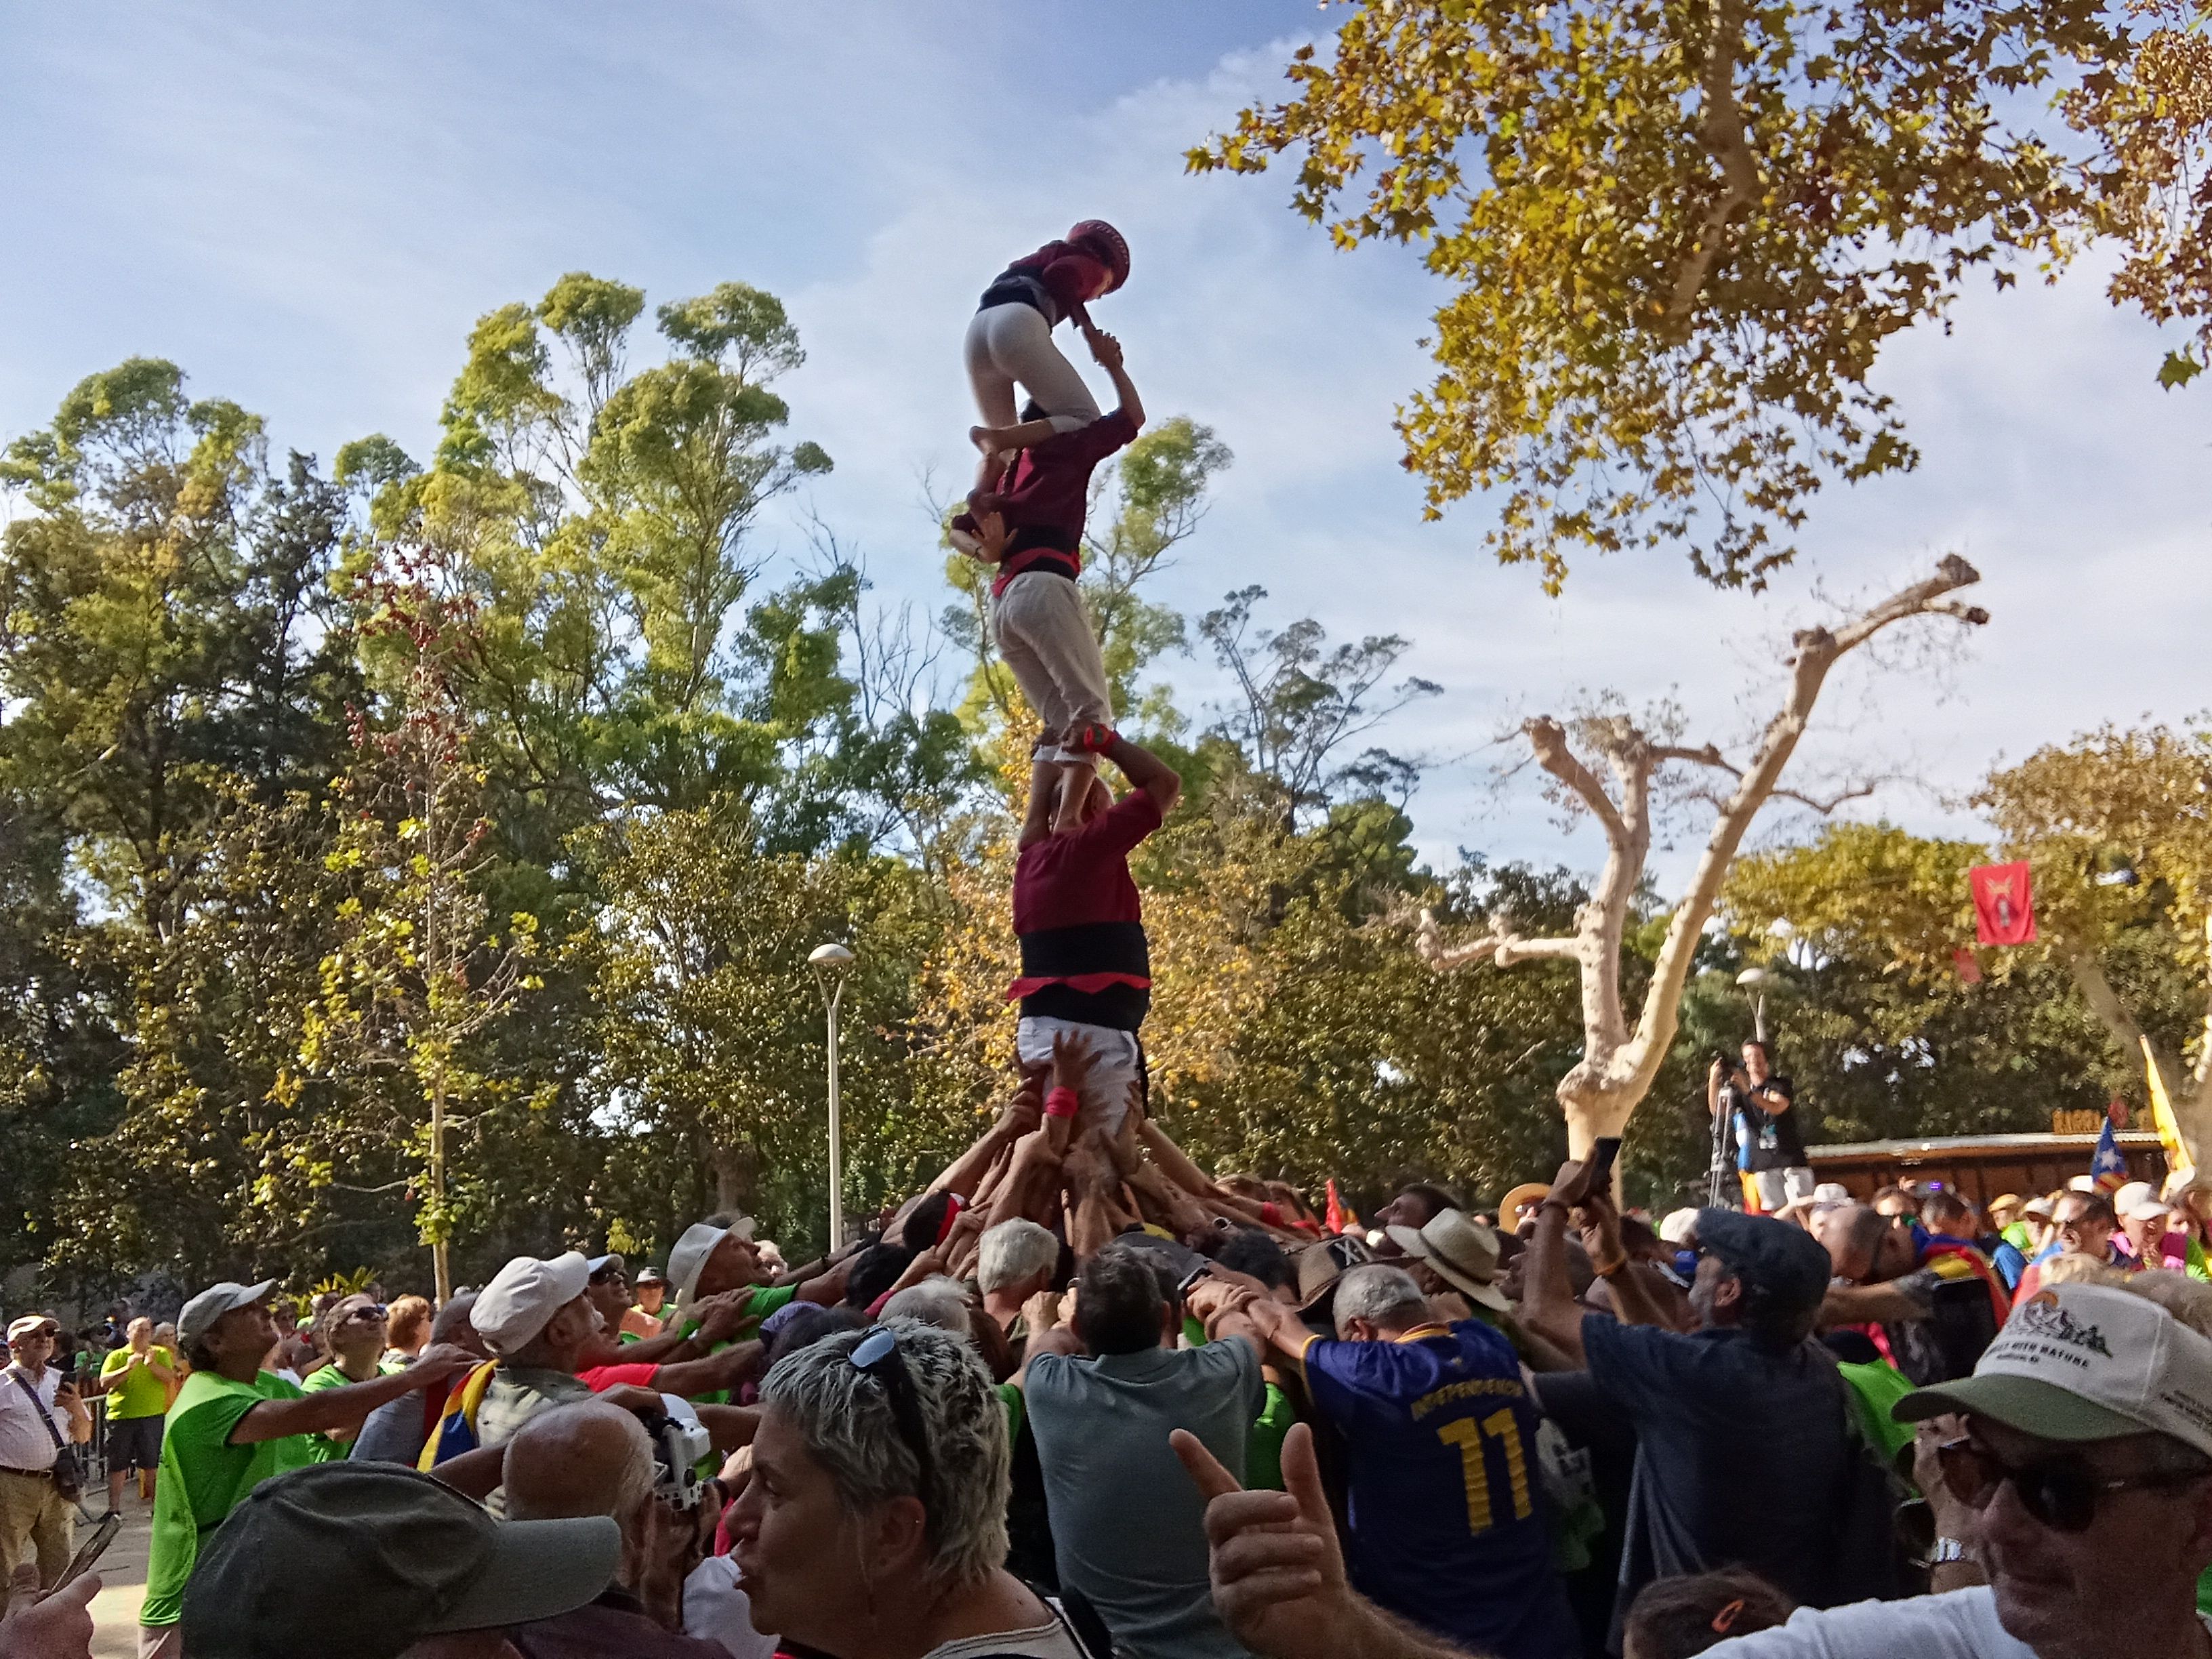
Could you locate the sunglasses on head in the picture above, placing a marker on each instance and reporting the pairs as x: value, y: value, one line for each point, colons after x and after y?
x: 877, y: 1355
x: 2060, y: 1492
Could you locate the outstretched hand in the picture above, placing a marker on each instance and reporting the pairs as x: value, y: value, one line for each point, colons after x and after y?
x: 1278, y: 1580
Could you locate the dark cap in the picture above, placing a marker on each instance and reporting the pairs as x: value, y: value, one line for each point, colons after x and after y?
x: 386, y: 1555
x: 1320, y: 1266
x: 1785, y: 1262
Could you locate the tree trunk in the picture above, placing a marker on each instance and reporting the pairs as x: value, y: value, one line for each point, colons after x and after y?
x: 737, y: 1177
x: 441, y: 1270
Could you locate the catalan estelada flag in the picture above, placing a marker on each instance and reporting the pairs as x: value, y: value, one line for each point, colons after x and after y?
x: 2110, y: 1169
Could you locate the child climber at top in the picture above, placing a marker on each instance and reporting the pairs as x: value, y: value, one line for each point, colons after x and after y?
x: 1010, y: 339
x: 1030, y: 524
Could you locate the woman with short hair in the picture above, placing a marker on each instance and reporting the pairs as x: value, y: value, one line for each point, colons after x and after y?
x: 875, y: 1522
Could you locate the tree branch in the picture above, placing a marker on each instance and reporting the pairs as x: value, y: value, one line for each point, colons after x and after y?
x: 1722, y: 134
x: 1816, y: 653
x: 1502, y: 948
x: 1548, y: 739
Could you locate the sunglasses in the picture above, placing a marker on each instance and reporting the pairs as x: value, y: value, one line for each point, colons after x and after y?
x: 374, y: 1314
x: 877, y: 1355
x: 2061, y: 1492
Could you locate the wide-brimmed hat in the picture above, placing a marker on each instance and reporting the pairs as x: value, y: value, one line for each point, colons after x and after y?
x: 2084, y: 1362
x: 648, y: 1276
x: 396, y: 1555
x: 1320, y: 1266
x: 1529, y: 1192
x: 1463, y: 1253
x: 213, y: 1303
x: 688, y: 1258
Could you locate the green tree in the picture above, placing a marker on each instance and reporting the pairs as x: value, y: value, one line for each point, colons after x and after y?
x: 419, y: 973
x: 1677, y: 233
x: 1883, y: 1036
x: 710, y: 1034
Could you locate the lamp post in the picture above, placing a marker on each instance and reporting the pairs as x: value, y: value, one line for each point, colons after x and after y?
x: 1753, y: 982
x: 830, y: 964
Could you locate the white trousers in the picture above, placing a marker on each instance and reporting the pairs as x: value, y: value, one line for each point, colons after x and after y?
x: 1012, y: 343
x: 1044, y: 636
x: 1118, y: 1062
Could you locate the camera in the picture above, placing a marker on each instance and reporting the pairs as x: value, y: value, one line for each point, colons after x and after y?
x: 678, y: 1444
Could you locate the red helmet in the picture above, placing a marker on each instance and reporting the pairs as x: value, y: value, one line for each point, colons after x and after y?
x: 1104, y: 244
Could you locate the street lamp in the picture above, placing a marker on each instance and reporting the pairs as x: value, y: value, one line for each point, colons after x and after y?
x: 830, y: 964
x: 1754, y: 983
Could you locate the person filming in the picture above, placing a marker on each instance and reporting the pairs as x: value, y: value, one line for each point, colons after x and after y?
x: 1769, y: 1140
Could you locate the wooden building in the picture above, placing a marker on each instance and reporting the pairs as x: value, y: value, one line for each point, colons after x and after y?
x: 1981, y: 1166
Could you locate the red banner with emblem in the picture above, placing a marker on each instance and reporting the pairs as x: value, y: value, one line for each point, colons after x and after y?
x: 2004, y: 904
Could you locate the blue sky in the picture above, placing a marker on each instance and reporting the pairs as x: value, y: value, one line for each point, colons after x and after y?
x: 306, y: 207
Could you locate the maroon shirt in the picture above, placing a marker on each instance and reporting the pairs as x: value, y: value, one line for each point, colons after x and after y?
x: 1045, y: 497
x: 1068, y: 275
x: 1078, y: 880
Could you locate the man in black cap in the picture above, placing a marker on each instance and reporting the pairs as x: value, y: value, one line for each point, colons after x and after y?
x: 1743, y: 1449
x: 378, y: 1562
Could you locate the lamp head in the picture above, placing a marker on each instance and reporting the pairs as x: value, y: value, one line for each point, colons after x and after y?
x: 1753, y: 979
x: 830, y: 958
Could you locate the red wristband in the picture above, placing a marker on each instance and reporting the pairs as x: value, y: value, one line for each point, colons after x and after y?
x: 1062, y: 1102
x: 1092, y: 740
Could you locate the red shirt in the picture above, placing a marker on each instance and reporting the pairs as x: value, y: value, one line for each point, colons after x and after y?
x: 1045, y: 497
x: 1067, y: 276
x: 600, y: 1378
x: 1083, y: 877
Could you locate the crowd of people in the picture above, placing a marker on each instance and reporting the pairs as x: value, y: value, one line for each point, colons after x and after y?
x: 1034, y: 1412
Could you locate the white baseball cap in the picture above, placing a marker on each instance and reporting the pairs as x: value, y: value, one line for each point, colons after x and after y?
x: 1829, y: 1192
x: 2145, y: 1209
x: 524, y: 1295
x: 689, y: 1258
x: 2135, y: 1193
x: 213, y: 1303
x: 2083, y: 1363
x: 1677, y: 1225
x: 2041, y: 1206
x: 599, y: 1264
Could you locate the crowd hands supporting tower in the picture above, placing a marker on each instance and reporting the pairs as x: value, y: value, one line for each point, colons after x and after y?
x: 1080, y: 1398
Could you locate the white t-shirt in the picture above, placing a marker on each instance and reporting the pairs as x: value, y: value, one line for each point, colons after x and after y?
x: 716, y: 1609
x: 1958, y: 1624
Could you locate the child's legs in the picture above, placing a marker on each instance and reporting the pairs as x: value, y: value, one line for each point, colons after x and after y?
x: 1013, y: 343
x: 1057, y: 631
x: 1011, y: 635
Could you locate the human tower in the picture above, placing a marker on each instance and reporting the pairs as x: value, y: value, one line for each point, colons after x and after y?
x: 1078, y: 1145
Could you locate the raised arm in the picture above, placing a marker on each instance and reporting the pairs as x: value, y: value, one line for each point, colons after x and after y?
x: 1633, y: 1303
x: 725, y: 1370
x: 1146, y: 771
x: 1108, y: 351
x: 1547, y: 1301
x: 345, y: 1407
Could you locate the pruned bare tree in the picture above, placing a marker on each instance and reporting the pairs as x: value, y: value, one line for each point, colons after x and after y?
x: 1618, y: 1063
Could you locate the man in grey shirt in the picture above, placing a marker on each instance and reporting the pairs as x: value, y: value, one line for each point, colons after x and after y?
x: 397, y: 1432
x: 1129, y: 1525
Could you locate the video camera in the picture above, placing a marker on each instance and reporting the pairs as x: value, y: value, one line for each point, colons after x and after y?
x: 677, y: 1447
